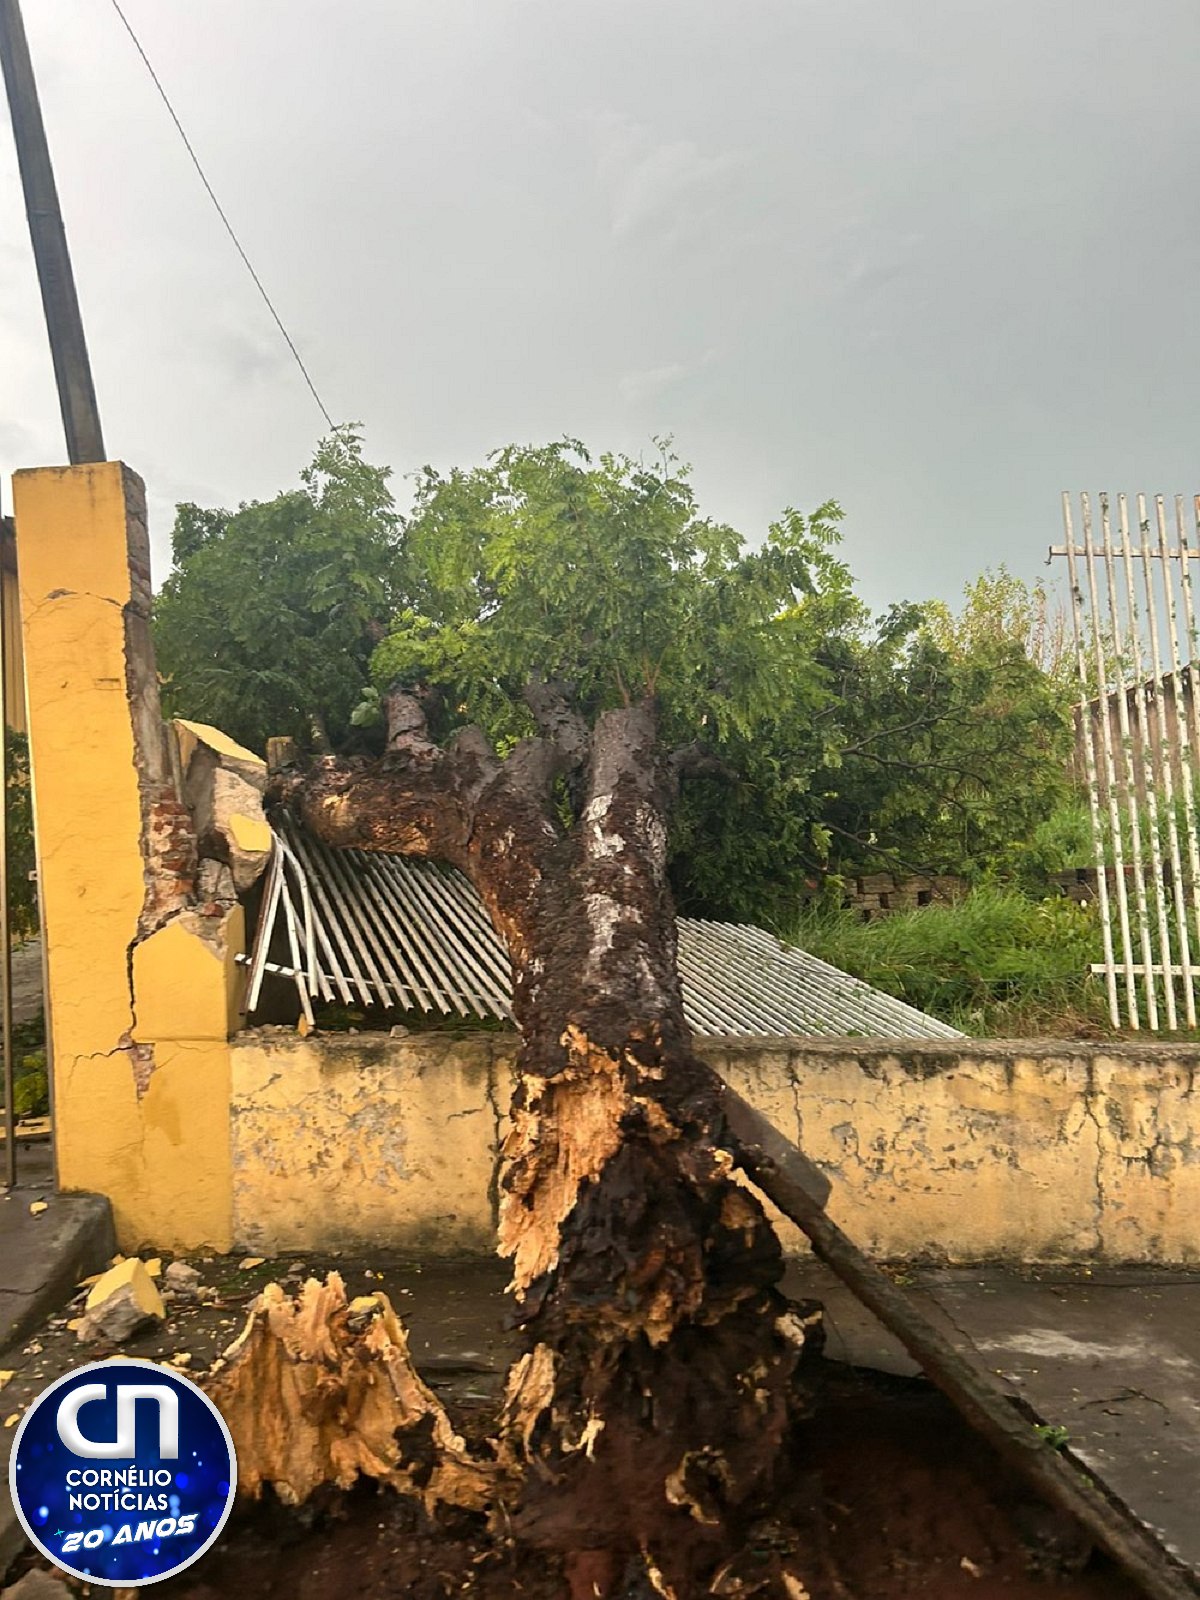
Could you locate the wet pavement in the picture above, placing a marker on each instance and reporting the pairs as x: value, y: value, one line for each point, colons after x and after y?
x: 1109, y: 1361
x: 1110, y: 1356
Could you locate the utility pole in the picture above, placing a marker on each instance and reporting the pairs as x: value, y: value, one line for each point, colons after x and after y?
x: 68, y: 346
x: 81, y: 422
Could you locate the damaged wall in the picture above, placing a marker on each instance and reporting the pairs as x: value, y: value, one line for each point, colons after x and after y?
x: 958, y: 1151
x: 143, y: 990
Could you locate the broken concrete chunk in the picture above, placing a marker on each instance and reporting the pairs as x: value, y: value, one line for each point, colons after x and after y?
x: 122, y: 1301
x: 181, y: 1280
x: 215, y: 882
x: 199, y: 741
x: 222, y: 788
x: 231, y: 823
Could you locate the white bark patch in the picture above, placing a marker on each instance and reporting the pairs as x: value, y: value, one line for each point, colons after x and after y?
x: 605, y: 915
x: 601, y: 843
x: 652, y: 828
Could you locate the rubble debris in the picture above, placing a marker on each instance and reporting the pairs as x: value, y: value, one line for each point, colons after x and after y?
x: 122, y: 1301
x: 222, y: 788
x: 181, y: 1281
x: 214, y: 883
x: 249, y: 1262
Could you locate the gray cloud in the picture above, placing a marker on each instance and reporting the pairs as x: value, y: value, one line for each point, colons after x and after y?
x: 936, y: 258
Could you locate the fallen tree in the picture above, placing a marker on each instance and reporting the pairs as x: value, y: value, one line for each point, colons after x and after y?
x: 575, y: 622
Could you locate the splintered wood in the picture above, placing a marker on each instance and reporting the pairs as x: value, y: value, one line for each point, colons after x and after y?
x: 559, y: 1140
x: 318, y: 1390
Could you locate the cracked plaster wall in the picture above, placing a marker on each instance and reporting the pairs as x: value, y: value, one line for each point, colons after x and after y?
x: 1022, y: 1152
x: 142, y: 987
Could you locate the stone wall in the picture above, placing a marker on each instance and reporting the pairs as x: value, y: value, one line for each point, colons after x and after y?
x: 882, y: 894
x: 954, y: 1152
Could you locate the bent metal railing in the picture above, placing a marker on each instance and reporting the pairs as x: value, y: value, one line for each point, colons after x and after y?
x: 389, y: 932
x: 1137, y: 728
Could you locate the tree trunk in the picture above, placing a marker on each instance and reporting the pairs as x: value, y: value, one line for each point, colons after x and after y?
x: 653, y: 1395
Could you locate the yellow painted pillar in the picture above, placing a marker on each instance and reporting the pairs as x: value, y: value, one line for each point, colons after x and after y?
x: 142, y: 987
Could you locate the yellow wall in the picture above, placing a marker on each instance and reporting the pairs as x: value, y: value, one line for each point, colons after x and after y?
x: 366, y: 1140
x: 139, y: 1025
x: 952, y: 1152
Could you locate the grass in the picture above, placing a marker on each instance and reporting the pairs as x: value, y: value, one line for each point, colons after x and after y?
x: 996, y: 963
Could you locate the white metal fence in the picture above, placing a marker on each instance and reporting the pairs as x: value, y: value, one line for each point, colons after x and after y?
x: 1137, y: 728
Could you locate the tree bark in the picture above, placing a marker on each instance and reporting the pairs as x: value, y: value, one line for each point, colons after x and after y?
x: 652, y: 1398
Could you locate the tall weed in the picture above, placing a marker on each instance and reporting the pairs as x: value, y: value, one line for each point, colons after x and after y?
x: 995, y: 963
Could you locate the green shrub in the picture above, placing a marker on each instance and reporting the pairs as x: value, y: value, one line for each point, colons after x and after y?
x: 31, y: 1084
x: 995, y: 964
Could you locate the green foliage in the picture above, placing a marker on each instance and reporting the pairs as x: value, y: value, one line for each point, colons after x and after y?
x: 601, y: 572
x: 937, y: 745
x: 998, y: 610
x: 1052, y: 1434
x: 995, y: 964
x: 927, y: 740
x: 267, y: 622
x: 956, y: 751
x: 1060, y: 841
x: 31, y: 1086
x: 22, y: 860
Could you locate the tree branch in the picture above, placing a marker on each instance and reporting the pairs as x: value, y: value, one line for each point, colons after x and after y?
x: 533, y: 765
x: 407, y: 725
x: 556, y: 718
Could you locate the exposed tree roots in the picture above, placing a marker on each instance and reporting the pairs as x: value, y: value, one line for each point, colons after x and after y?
x: 320, y: 1391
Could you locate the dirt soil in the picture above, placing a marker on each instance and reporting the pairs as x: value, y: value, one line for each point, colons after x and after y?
x: 892, y: 1498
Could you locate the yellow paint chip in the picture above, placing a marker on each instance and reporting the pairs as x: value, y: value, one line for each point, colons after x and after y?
x: 11, y: 1422
x: 250, y: 833
x: 250, y: 1261
x: 204, y: 733
x: 6, y: 1377
x: 36, y: 1207
x: 154, y: 1266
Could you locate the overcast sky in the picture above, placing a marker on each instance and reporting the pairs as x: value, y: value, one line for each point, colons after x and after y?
x: 938, y: 259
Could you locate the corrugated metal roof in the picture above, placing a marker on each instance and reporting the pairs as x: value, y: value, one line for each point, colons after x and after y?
x: 407, y: 934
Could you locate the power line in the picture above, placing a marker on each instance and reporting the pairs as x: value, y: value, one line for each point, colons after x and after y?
x: 237, y: 243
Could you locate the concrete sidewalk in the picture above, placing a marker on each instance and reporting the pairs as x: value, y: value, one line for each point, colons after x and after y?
x: 1112, y: 1359
x: 48, y: 1242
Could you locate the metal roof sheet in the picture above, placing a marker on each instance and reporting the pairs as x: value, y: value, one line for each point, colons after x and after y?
x: 408, y: 934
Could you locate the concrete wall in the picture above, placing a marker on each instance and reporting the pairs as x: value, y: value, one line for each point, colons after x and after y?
x: 143, y: 991
x: 1030, y: 1153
